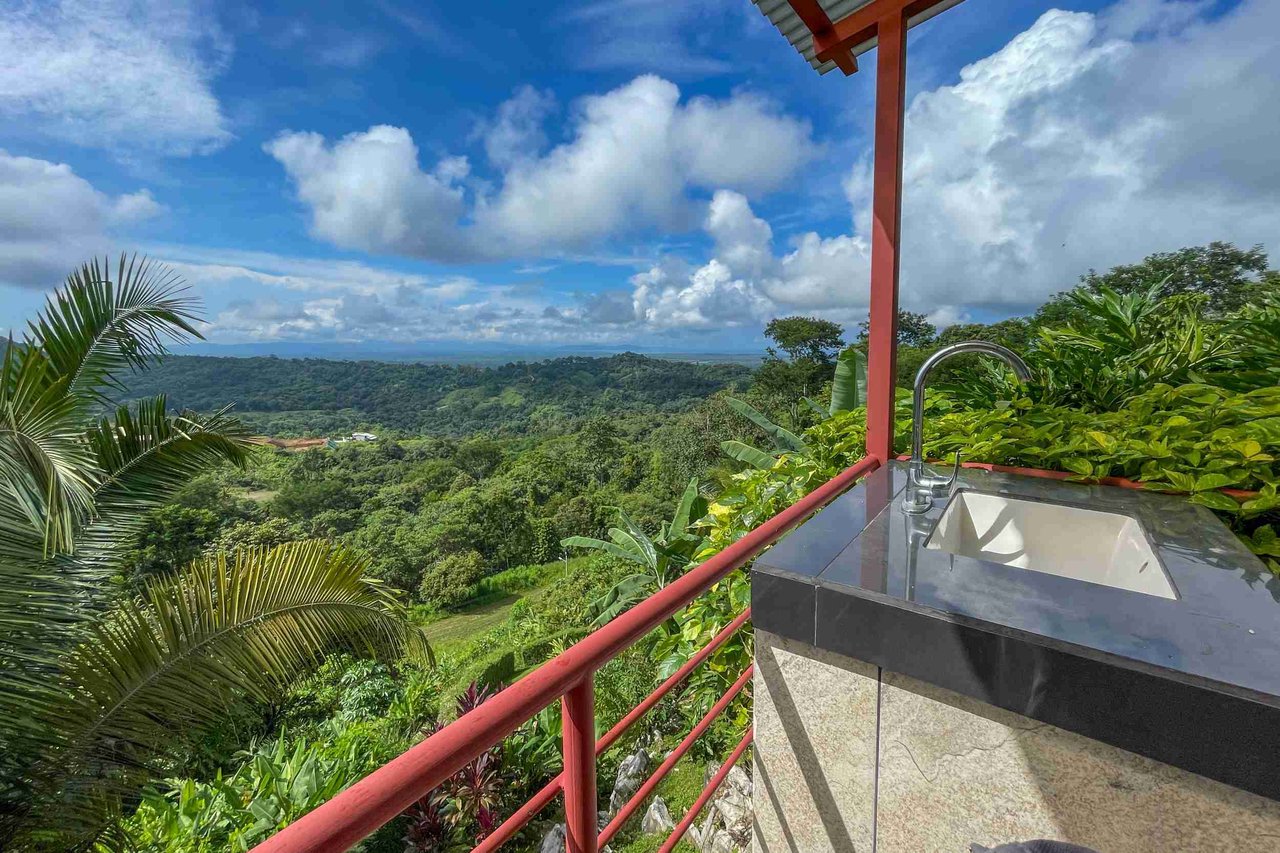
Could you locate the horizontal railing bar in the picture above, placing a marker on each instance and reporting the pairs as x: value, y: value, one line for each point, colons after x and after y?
x: 707, y: 793
x: 630, y: 807
x: 337, y: 825
x: 551, y: 790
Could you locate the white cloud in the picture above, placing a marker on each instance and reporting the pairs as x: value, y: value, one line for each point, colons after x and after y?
x: 745, y: 282
x: 635, y: 154
x: 1089, y: 141
x: 1085, y: 142
x: 51, y: 219
x: 516, y: 132
x: 367, y: 192
x: 635, y: 159
x: 113, y: 73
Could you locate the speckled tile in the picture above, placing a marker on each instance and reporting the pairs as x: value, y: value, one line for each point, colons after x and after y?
x: 815, y: 749
x: 954, y: 771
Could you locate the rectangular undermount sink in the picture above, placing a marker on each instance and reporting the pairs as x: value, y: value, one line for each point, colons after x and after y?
x: 1099, y: 547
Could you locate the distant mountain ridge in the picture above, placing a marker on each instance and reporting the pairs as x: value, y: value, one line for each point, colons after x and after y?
x: 451, y: 353
x: 282, y: 396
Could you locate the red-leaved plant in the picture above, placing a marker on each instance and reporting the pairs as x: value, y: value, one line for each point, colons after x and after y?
x: 466, y: 804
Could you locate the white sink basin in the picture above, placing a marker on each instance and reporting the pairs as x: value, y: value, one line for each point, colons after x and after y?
x: 1099, y: 547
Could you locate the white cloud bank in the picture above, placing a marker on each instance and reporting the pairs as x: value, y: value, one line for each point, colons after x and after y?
x: 1087, y: 141
x: 51, y: 217
x: 113, y: 74
x: 635, y: 159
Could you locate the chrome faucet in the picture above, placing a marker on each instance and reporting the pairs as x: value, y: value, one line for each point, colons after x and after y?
x: 922, y: 487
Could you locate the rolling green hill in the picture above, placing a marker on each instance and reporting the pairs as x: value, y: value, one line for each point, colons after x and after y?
x: 316, y: 396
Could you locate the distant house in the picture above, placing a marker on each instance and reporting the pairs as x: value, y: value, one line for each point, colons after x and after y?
x: 363, y: 436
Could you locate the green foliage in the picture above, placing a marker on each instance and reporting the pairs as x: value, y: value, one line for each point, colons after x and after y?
x: 172, y: 537
x: 274, y: 783
x: 805, y: 338
x: 914, y: 330
x: 849, y: 389
x: 661, y: 558
x: 1220, y: 271
x: 451, y: 580
x: 313, y: 396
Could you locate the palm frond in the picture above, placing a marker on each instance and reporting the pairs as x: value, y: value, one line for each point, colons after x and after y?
x: 45, y: 468
x: 169, y: 665
x: 94, y: 328
x: 144, y: 455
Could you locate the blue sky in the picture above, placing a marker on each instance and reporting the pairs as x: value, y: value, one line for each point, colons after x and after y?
x: 620, y: 173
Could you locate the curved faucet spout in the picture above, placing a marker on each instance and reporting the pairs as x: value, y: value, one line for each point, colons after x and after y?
x: 919, y: 487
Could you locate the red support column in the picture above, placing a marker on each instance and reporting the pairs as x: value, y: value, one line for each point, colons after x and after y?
x: 886, y: 212
x: 578, y: 728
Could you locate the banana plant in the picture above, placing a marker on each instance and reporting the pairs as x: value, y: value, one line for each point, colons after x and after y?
x: 661, y: 559
x: 848, y: 392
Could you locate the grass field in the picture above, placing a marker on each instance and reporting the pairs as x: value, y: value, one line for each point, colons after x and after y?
x: 462, y: 626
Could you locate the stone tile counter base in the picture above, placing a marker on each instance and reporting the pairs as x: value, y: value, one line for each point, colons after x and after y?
x: 849, y: 757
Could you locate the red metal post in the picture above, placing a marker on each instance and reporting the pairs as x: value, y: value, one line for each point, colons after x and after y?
x: 544, y: 797
x: 886, y: 211
x: 578, y: 722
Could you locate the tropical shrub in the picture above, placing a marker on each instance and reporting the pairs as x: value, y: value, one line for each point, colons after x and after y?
x: 451, y: 580
x: 274, y: 783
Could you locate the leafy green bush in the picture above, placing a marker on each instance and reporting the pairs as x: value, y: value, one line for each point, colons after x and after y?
x: 275, y: 783
x: 450, y: 581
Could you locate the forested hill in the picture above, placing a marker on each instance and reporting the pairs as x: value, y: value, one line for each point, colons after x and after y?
x: 315, y: 396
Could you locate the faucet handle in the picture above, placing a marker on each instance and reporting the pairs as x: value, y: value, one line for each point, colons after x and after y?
x: 950, y: 483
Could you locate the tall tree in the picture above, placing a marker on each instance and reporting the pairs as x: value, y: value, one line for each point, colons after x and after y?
x: 805, y: 338
x: 810, y: 346
x: 914, y: 330
x: 1228, y: 275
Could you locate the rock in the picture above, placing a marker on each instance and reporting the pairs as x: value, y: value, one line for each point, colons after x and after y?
x: 711, y: 839
x: 734, y: 806
x: 631, y: 775
x: 657, y: 819
x: 554, y: 840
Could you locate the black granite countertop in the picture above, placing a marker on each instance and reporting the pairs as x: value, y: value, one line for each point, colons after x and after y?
x: 1193, y: 682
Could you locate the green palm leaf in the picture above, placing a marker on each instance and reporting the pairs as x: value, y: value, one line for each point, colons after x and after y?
x: 94, y: 328
x: 692, y: 507
x: 849, y: 388
x: 145, y: 455
x: 168, y: 666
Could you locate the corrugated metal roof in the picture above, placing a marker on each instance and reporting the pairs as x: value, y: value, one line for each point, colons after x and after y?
x: 782, y: 16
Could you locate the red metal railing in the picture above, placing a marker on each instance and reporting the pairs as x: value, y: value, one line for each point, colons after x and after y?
x: 569, y: 677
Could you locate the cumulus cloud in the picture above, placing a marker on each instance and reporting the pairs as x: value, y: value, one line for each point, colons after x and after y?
x: 52, y: 219
x: 113, y: 73
x: 635, y: 154
x: 745, y: 282
x: 1087, y: 141
x: 516, y: 132
x: 366, y: 191
x: 636, y: 158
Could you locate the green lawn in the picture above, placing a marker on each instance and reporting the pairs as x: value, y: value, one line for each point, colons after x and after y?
x: 462, y: 626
